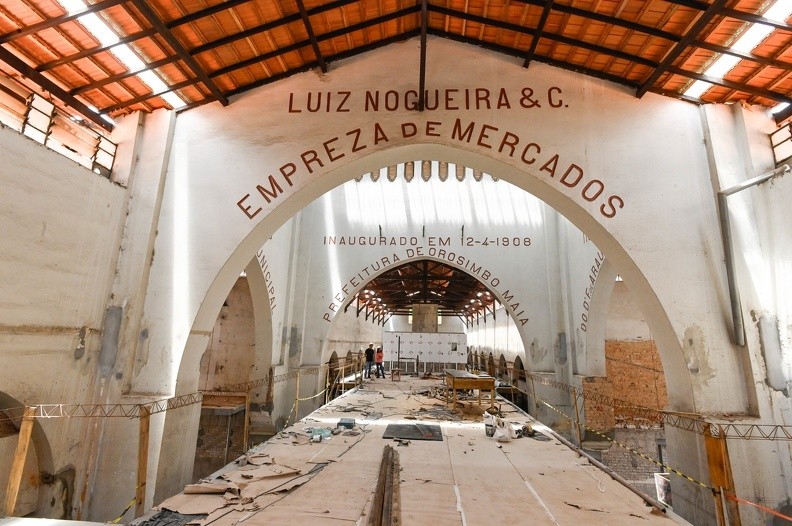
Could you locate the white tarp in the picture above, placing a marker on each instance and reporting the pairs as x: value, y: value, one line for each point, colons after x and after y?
x: 445, y: 347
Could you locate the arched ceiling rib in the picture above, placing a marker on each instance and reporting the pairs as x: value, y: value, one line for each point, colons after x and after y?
x: 209, y: 50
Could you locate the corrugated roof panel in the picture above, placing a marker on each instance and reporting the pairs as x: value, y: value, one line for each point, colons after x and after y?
x: 119, y: 19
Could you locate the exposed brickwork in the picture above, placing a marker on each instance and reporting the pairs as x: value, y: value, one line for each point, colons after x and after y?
x: 211, y: 445
x: 634, y: 374
x: 598, y: 416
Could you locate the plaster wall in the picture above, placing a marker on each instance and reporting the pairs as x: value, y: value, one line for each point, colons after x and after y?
x: 362, y: 229
x: 230, y: 356
x: 448, y: 324
x: 498, y: 336
x: 328, y: 240
x: 275, y: 263
x: 350, y: 333
x: 211, y: 225
x: 60, y: 224
x: 675, y: 125
x: 625, y: 321
x: 668, y: 187
x: 581, y: 265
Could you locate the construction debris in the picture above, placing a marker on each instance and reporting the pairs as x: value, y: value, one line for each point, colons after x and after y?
x: 291, y: 480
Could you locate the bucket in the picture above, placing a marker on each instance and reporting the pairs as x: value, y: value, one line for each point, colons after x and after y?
x: 489, y: 429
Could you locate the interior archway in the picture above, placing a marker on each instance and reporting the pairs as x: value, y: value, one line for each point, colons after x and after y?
x: 681, y: 397
x: 444, y: 262
x: 503, y: 369
x: 680, y: 389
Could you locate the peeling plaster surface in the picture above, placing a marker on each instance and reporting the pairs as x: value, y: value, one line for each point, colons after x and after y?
x: 696, y: 353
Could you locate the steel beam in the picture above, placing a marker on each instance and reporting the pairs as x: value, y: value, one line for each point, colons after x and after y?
x: 54, y: 89
x: 422, y: 66
x: 548, y: 5
x: 311, y: 36
x: 711, y: 12
x: 177, y: 46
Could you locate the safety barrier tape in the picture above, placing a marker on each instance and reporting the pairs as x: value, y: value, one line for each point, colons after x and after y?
x: 763, y: 508
x: 314, y: 396
x: 631, y: 450
x: 288, y: 417
x: 118, y: 519
x: 685, y: 421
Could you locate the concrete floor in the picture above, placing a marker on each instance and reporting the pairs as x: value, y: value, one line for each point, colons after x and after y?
x: 467, y: 478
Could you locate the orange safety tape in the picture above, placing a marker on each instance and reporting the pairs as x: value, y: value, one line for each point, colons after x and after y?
x: 763, y: 508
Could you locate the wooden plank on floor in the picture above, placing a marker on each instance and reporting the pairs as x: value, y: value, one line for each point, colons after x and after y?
x: 18, y: 464
x: 467, y: 478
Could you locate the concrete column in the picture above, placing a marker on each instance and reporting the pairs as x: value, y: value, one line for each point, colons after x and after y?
x: 424, y: 317
x: 144, y: 151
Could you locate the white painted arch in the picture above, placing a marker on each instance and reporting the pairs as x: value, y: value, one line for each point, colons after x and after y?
x: 648, y: 151
x: 445, y: 261
x: 680, y: 390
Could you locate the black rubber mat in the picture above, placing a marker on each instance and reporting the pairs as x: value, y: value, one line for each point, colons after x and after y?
x: 413, y: 432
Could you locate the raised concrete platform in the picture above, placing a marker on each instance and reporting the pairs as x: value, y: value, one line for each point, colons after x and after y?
x: 467, y: 478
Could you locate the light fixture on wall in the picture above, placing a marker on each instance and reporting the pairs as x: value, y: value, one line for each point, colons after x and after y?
x: 224, y: 310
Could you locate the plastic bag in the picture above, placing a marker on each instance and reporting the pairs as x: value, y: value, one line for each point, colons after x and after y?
x: 504, y: 432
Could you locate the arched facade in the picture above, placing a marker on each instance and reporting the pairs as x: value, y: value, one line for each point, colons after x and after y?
x: 228, y: 178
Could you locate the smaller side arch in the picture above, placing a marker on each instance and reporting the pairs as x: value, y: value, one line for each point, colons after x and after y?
x: 503, y: 368
x: 45, y: 465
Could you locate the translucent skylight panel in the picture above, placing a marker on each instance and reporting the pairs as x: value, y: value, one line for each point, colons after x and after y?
x: 99, y: 29
x: 747, y: 42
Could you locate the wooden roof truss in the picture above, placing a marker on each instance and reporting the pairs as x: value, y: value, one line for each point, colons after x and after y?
x: 210, y: 50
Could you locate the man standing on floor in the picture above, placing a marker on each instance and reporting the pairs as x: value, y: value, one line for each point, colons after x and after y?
x: 369, y: 360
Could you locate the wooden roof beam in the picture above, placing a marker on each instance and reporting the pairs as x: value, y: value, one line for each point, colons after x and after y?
x: 734, y: 13
x: 765, y: 61
x: 311, y: 36
x: 756, y: 19
x: 153, y: 19
x: 320, y: 38
x: 745, y: 88
x: 422, y: 63
x: 121, y: 76
x: 548, y: 5
x: 203, y: 13
x: 268, y: 26
x: 338, y: 56
x: 528, y: 31
x: 151, y: 95
x: 93, y: 51
x: 706, y: 17
x: 607, y: 19
x: 54, y: 89
x: 58, y: 20
x: 541, y: 58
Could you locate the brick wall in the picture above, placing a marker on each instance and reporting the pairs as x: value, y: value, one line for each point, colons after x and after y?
x: 634, y: 374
